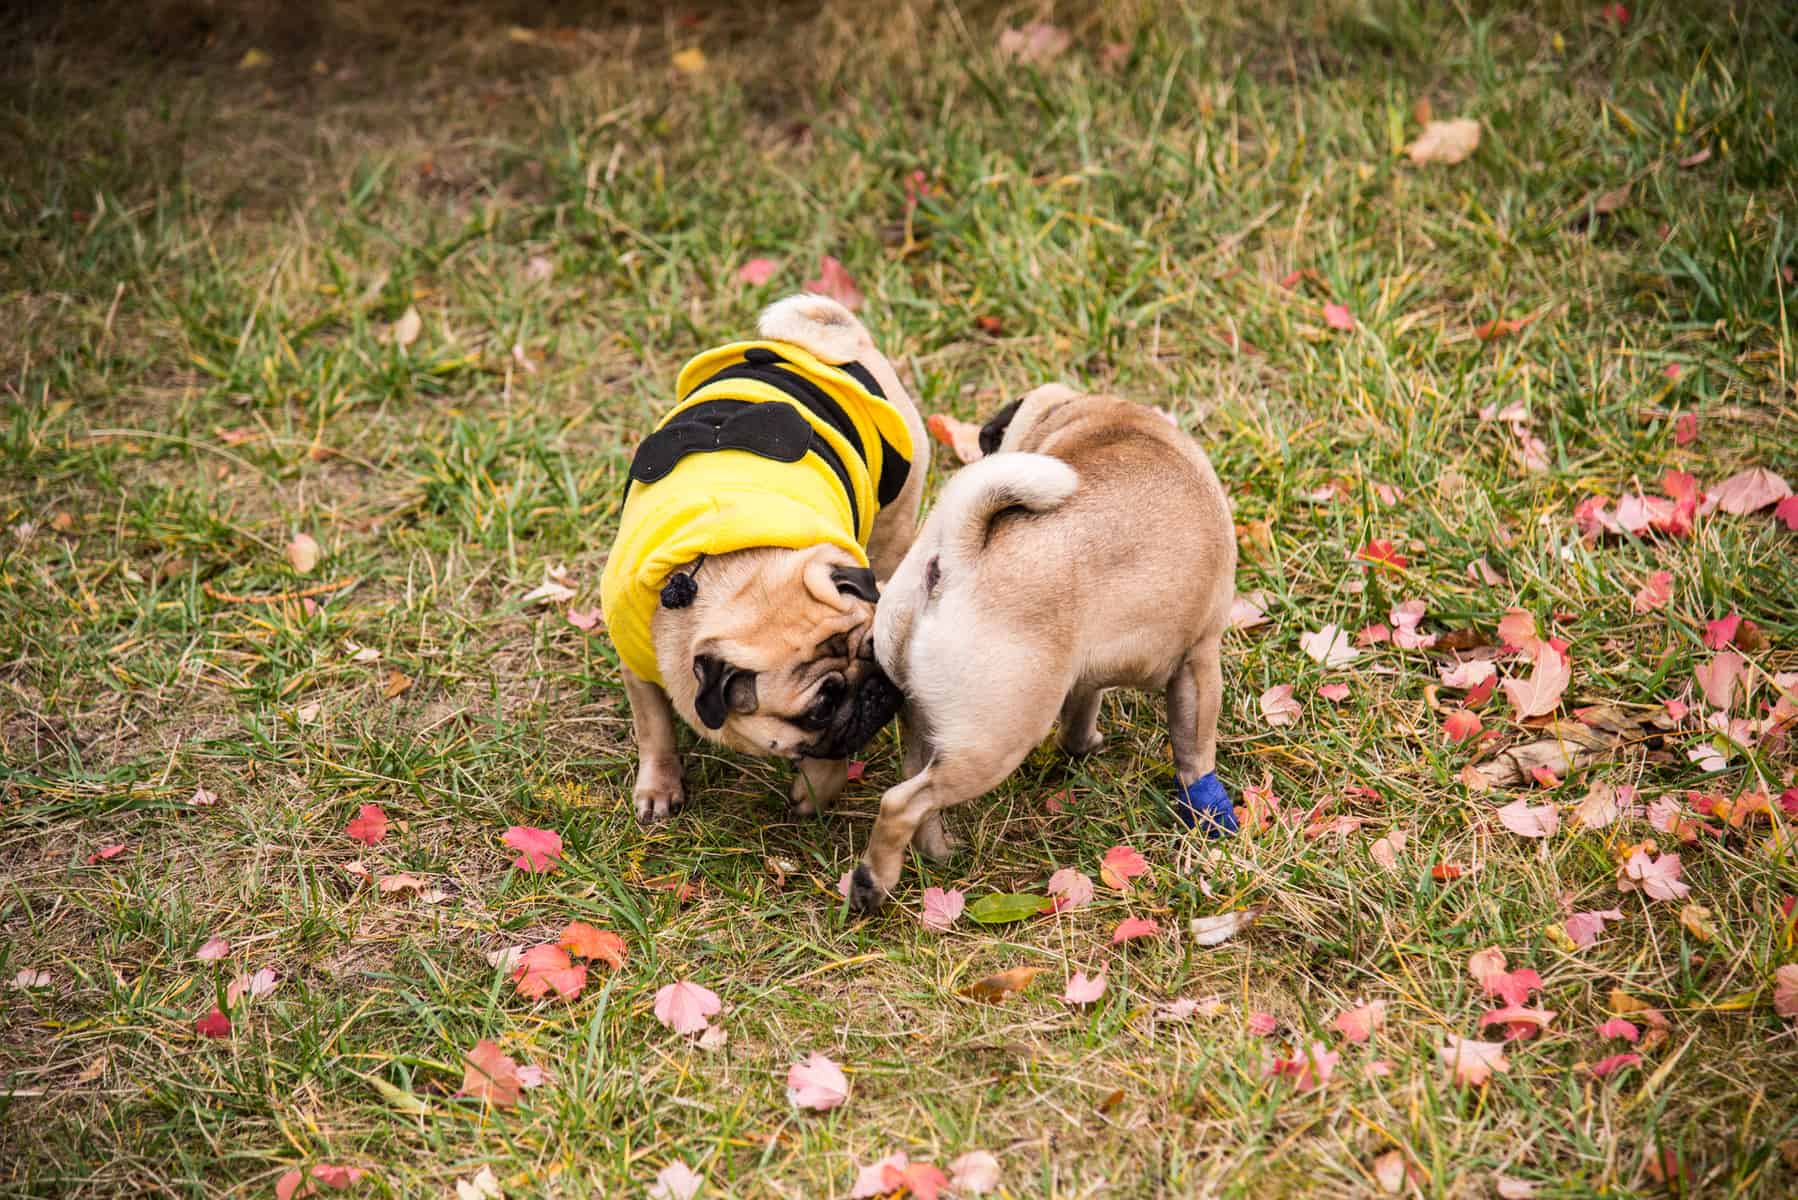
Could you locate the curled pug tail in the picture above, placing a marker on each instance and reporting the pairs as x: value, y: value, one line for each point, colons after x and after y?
x: 978, y: 493
x: 819, y: 325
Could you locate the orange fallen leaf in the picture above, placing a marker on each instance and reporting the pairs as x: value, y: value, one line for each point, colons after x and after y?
x: 994, y: 988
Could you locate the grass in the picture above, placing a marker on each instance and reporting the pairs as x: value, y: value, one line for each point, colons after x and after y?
x: 201, y: 262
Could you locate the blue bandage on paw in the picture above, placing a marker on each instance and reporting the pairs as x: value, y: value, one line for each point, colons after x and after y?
x: 1204, y: 804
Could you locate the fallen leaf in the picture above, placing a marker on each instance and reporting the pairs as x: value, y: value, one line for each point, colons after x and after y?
x: 29, y: 978
x: 974, y: 1174
x: 213, y: 949
x: 1696, y: 920
x: 920, y: 1180
x: 1390, y: 1172
x: 942, y: 909
x: 1385, y: 850
x: 1655, y: 593
x: 1036, y: 43
x: 1336, y: 693
x: 253, y: 60
x: 999, y: 908
x: 1468, y: 674
x: 1750, y: 491
x: 1084, y: 988
x: 1211, y: 931
x: 1541, y: 692
x: 369, y: 825
x: 394, y: 684
x: 1337, y: 316
x: 1584, y: 928
x: 817, y: 1083
x: 684, y: 1006
x: 963, y: 437
x: 1502, y: 327
x: 1261, y: 1024
x: 540, y: 849
x: 1785, y: 990
x: 757, y: 271
x: 1718, y: 678
x: 303, y: 553
x: 1278, y: 707
x: 1519, y: 1020
x: 254, y: 984
x: 1618, y: 1027
x: 870, y: 1181
x: 690, y: 61
x: 1131, y: 928
x: 389, y: 884
x: 1309, y: 1071
x: 1070, y: 888
x: 1360, y: 1023
x: 1658, y: 877
x: 1483, y: 965
x: 600, y: 945
x: 1513, y: 1189
x: 543, y: 969
x: 1530, y: 821
x: 490, y: 1075
x: 405, y: 331
x: 1249, y: 610
x: 555, y: 588
x: 676, y: 1181
x: 1120, y: 865
x: 1615, y: 1062
x: 113, y: 850
x: 996, y: 987
x: 214, y: 1024
x: 834, y: 281
x: 1445, y: 141
x: 1471, y: 1063
x: 1329, y: 646
x: 1787, y: 511
x: 584, y: 619
x: 1460, y: 725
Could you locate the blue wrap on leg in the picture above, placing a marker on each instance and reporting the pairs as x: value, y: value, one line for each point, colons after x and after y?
x: 1204, y: 804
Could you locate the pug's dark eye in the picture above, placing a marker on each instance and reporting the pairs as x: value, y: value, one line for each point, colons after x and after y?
x: 825, y: 705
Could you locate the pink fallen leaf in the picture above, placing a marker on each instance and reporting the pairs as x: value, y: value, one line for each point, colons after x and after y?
x: 1084, y: 988
x: 214, y: 1024
x: 1460, y: 725
x: 1120, y: 865
x: 1785, y: 990
x: 1519, y: 1020
x: 835, y: 281
x: 757, y: 271
x: 817, y: 1083
x: 105, y: 852
x: 676, y: 1181
x: 1750, y: 491
x: 1336, y: 693
x: 1070, y: 888
x: 684, y: 1006
x: 1309, y: 1070
x: 1513, y: 1189
x: 974, y: 1174
x: 1262, y: 1024
x: 389, y: 884
x: 1360, y: 1023
x: 1720, y: 633
x: 202, y: 798
x: 1486, y: 964
x: 1385, y: 850
x: 1470, y: 1062
x: 547, y: 968
x: 1390, y: 1171
x: 1584, y: 928
x: 1131, y: 928
x: 870, y: 1181
x: 963, y: 437
x: 1278, y: 707
x: 1513, y: 987
x: 214, y: 949
x: 585, y: 619
x: 1337, y: 316
x: 1517, y: 629
x: 539, y: 849
x: 530, y: 1075
x: 1036, y: 43
x: 294, y: 1184
x: 1468, y: 674
x: 1618, y: 1027
x: 254, y: 984
x: 1376, y: 634
x: 1616, y: 1062
x: 303, y: 553
x: 1541, y: 692
x: 1248, y: 611
x: 1655, y: 593
x: 942, y: 908
x: 1329, y: 646
x: 29, y: 977
x: 1658, y: 877
x: 490, y: 1075
x: 1786, y: 512
x: 1718, y: 678
x: 921, y: 1180
x: 1530, y: 820
x: 856, y: 770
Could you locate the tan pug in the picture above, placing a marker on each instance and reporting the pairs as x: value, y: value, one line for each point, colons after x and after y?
x: 740, y: 590
x: 1093, y: 549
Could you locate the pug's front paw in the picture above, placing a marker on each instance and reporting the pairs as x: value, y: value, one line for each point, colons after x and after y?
x: 659, y: 792
x: 866, y: 897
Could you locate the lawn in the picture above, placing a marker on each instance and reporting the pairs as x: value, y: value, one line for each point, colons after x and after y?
x: 412, y: 280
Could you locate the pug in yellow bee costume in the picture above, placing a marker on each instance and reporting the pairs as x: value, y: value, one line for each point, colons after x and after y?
x: 740, y: 590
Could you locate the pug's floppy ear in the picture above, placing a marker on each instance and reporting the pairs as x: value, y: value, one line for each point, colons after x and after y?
x: 993, y: 432
x: 857, y: 582
x: 723, y: 689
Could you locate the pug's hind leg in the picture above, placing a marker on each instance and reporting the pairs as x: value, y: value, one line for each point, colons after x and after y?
x: 659, y: 791
x: 1080, y: 722
x: 817, y: 782
x: 1194, y: 695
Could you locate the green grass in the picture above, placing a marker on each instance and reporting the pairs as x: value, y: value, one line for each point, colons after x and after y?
x: 199, y: 266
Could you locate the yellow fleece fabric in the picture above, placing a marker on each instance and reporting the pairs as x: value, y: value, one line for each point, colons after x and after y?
x: 724, y: 500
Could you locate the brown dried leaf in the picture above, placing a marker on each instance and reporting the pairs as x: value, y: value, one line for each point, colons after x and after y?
x: 994, y: 988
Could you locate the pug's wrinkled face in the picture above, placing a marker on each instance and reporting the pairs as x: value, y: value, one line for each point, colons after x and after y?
x: 784, y: 665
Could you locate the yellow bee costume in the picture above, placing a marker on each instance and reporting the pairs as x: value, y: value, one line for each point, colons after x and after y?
x: 768, y: 446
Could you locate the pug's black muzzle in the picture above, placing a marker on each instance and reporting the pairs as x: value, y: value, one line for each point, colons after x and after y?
x: 872, y: 704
